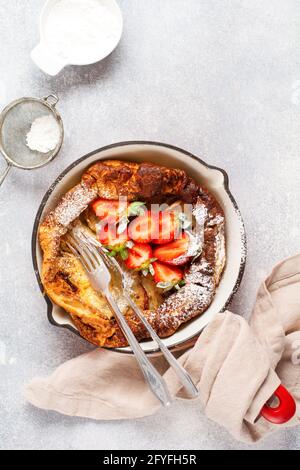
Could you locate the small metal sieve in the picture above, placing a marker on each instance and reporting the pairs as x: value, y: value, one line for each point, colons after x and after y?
x: 15, y: 123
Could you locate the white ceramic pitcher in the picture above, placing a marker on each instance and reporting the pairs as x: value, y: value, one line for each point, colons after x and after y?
x: 51, y: 62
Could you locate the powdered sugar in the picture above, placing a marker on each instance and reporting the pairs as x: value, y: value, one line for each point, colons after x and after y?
x: 189, y: 301
x: 220, y: 255
x: 128, y: 283
x: 200, y: 273
x: 44, y: 134
x: 82, y: 31
x: 200, y: 213
x: 121, y: 301
x: 194, y: 248
x: 73, y: 204
x: 217, y: 220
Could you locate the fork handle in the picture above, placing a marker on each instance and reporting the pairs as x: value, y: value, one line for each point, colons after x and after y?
x: 181, y: 373
x: 155, y: 380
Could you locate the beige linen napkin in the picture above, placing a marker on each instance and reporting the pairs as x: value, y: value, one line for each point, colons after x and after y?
x: 236, y: 367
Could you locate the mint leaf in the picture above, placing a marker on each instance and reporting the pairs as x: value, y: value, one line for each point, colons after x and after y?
x: 136, y: 208
x: 151, y: 269
x: 124, y: 254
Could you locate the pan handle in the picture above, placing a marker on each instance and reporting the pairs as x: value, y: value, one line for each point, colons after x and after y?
x: 284, y: 411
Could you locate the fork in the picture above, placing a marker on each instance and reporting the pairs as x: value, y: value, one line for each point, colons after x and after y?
x: 100, y: 278
x: 181, y: 373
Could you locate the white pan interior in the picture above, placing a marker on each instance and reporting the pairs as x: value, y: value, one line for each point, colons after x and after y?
x: 211, y: 178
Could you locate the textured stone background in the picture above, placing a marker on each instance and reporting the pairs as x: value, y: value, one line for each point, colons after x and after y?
x: 220, y: 78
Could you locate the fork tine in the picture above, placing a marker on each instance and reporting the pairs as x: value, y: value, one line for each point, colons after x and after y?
x: 93, y: 245
x: 91, y: 249
x: 90, y: 240
x: 78, y: 255
x: 106, y: 258
x: 95, y: 253
x: 82, y: 252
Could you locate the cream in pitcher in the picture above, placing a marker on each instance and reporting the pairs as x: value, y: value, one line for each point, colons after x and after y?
x: 77, y: 32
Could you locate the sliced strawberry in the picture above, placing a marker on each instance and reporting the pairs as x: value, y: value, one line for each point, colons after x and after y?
x: 108, y: 211
x: 139, y: 256
x: 167, y: 227
x: 108, y: 235
x: 159, y: 228
x: 167, y: 274
x: 142, y: 227
x: 174, y: 253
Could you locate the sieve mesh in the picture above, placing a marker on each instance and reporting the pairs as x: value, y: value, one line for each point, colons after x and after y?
x: 16, y: 124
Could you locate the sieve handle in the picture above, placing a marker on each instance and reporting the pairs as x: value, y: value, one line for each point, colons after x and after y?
x: 5, y: 173
x: 52, y: 100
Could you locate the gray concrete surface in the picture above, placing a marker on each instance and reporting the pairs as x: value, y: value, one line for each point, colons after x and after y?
x: 220, y: 78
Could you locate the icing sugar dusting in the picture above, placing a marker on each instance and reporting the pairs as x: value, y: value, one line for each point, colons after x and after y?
x: 200, y: 214
x: 128, y: 283
x: 192, y: 298
x: 220, y: 249
x: 73, y: 204
x: 219, y: 219
x: 194, y: 249
x: 201, y: 273
x: 121, y: 301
